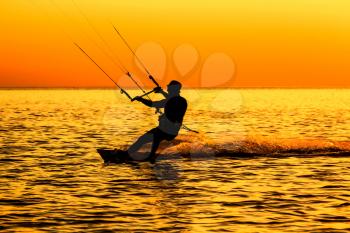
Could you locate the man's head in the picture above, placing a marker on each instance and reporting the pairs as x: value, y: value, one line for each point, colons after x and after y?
x: 174, y: 87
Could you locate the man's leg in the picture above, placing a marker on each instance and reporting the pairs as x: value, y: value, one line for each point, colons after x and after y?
x: 156, y: 142
x: 155, y: 136
x: 159, y: 136
x: 146, y: 138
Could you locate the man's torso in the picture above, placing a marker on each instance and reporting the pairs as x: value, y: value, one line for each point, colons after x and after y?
x: 174, y: 111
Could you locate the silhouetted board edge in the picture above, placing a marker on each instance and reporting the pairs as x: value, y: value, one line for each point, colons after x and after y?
x: 111, y: 156
x: 120, y: 156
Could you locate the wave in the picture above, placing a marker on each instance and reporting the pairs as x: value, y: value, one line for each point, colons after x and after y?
x: 252, y: 146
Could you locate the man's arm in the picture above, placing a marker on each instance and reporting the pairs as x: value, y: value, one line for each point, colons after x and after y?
x: 160, y: 91
x: 150, y: 103
x: 159, y: 104
x: 163, y: 93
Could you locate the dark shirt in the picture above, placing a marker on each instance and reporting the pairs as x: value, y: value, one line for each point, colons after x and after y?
x: 175, y: 109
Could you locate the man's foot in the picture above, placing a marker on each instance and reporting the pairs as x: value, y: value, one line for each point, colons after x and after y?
x: 152, y: 159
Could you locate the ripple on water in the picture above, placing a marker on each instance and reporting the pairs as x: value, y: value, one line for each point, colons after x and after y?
x: 53, y: 180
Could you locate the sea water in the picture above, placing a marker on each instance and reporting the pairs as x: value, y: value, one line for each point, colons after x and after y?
x: 265, y: 160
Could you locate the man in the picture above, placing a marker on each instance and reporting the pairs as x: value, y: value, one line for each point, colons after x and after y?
x: 170, y: 121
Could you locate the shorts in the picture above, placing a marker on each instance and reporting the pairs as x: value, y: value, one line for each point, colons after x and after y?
x: 161, y: 135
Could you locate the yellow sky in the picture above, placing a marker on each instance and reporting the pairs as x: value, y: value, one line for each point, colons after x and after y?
x: 299, y: 43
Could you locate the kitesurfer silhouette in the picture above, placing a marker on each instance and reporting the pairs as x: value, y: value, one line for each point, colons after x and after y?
x: 170, y: 121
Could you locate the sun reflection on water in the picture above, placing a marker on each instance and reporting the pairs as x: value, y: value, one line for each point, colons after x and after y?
x: 53, y: 179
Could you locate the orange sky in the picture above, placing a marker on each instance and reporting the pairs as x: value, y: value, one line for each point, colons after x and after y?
x: 273, y: 43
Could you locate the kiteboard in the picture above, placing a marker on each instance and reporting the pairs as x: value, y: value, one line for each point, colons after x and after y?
x: 121, y: 156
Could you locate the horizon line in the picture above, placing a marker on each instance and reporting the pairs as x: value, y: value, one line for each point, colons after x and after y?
x: 186, y: 88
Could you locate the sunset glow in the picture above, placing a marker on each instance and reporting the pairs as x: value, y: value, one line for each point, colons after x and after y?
x: 272, y: 43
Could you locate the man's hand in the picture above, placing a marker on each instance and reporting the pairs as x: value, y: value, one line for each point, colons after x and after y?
x: 157, y: 90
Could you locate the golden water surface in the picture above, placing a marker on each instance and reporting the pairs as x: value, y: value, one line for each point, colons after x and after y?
x: 297, y: 179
